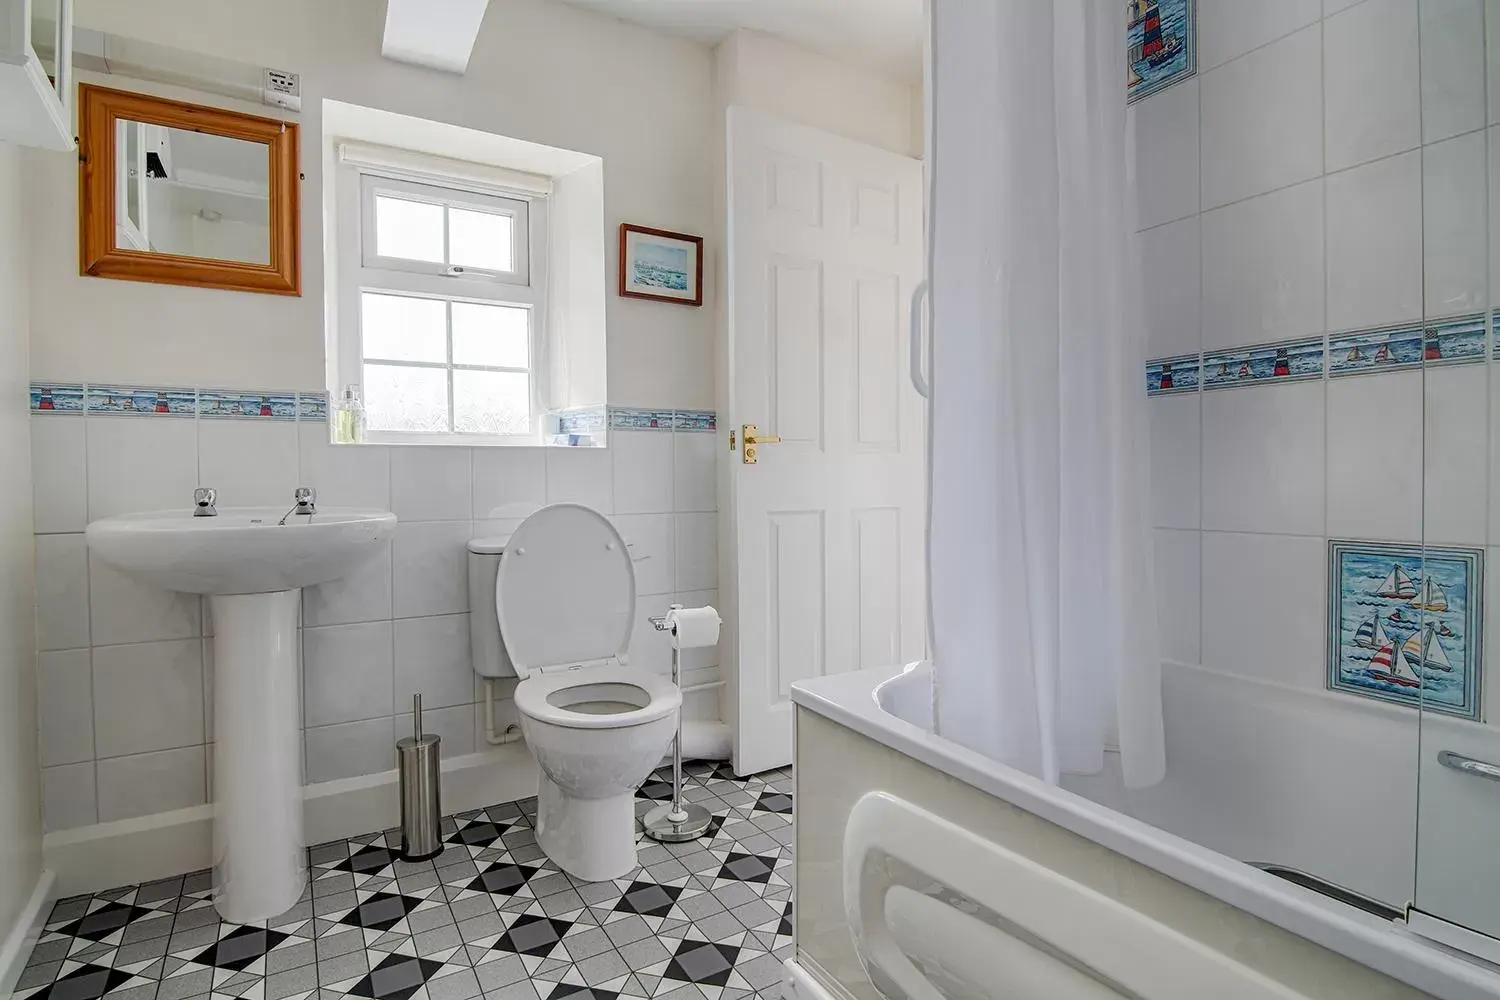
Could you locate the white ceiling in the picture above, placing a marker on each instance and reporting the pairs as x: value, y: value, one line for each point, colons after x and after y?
x: 884, y: 36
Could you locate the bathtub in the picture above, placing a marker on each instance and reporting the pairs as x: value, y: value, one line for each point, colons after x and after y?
x: 924, y: 870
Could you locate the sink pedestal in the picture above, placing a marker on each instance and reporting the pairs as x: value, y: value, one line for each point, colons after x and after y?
x: 259, y: 855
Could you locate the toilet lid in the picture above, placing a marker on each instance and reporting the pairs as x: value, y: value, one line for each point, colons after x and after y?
x: 565, y: 593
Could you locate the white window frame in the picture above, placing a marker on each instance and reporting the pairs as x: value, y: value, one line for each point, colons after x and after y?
x: 361, y: 269
x: 518, y: 210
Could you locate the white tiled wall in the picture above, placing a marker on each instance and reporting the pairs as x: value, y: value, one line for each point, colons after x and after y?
x: 126, y: 672
x: 1331, y: 168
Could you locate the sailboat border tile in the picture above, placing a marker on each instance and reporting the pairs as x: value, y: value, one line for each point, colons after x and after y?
x: 1457, y: 340
x: 175, y: 401
x: 234, y: 404
x: 1287, y: 361
x: 242, y: 404
x: 1431, y: 591
x: 137, y: 400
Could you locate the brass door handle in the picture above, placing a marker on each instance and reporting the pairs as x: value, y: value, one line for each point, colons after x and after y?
x: 748, y: 435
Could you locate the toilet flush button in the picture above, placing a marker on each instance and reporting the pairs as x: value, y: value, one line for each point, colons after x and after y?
x: 521, y: 551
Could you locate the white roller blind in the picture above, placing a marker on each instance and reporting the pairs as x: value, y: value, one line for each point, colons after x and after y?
x: 440, y: 169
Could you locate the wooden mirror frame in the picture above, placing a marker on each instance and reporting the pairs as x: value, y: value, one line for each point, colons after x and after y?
x: 98, y: 110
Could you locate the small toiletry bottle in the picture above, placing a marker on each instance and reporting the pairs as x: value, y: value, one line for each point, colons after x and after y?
x: 349, y: 420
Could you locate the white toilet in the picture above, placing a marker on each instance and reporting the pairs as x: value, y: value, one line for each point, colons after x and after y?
x: 560, y: 590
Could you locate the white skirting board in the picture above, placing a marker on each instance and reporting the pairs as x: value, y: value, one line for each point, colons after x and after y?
x: 108, y: 855
x: 23, y: 936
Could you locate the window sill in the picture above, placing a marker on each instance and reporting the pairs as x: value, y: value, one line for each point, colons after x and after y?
x: 385, y: 439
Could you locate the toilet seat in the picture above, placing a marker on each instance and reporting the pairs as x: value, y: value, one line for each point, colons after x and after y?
x: 565, y: 600
x: 549, y: 697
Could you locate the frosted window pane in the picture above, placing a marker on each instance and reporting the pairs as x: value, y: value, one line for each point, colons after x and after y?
x: 491, y: 402
x: 406, y: 399
x: 409, y: 229
x: 403, y: 328
x: 480, y: 239
x: 496, y: 336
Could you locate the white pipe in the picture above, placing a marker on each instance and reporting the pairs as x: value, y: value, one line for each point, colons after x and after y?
x: 512, y: 731
x: 706, y: 686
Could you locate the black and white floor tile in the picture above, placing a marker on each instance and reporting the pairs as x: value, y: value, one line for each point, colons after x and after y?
x: 491, y: 917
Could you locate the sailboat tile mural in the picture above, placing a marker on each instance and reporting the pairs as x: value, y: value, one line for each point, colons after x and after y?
x: 1405, y: 624
x: 1162, y: 45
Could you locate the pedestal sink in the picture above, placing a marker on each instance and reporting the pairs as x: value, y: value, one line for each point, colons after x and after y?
x: 252, y: 568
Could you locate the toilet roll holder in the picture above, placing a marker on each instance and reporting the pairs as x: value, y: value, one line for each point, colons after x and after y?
x: 675, y: 821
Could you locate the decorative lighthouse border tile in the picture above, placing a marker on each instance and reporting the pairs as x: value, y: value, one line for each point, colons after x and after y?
x: 1405, y: 624
x: 1161, y: 39
x: 1451, y: 342
x: 1288, y: 361
x: 1172, y: 375
x: 161, y: 401
x: 239, y: 404
x: 1458, y: 340
x: 231, y: 404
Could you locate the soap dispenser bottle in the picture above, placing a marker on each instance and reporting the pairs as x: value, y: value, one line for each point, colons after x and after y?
x: 349, y: 419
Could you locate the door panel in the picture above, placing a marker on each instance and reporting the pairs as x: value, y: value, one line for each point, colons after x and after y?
x: 877, y: 573
x: 795, y: 344
x: 796, y: 598
x: 877, y: 367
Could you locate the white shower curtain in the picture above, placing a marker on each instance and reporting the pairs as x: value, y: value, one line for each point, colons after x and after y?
x: 1043, y: 607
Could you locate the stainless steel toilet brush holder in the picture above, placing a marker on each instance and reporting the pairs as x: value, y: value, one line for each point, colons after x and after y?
x: 417, y: 761
x: 675, y: 821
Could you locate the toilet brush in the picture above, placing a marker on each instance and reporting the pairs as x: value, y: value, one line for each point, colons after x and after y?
x: 677, y: 820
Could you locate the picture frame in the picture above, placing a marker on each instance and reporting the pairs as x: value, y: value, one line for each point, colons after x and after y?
x: 661, y: 265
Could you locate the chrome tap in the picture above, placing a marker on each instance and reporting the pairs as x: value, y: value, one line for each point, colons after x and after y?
x: 204, y: 498
x: 306, y: 503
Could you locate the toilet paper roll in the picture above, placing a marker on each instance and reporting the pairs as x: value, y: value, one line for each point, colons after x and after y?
x: 693, y: 628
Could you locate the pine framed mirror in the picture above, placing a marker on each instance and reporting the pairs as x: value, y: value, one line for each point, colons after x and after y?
x: 182, y: 194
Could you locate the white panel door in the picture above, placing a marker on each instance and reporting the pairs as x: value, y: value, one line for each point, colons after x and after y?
x: 827, y: 530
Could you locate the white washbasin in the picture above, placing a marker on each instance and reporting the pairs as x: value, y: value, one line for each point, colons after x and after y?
x: 242, y: 550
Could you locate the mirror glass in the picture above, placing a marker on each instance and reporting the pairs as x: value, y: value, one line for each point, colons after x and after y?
x: 192, y: 194
x: 43, y: 29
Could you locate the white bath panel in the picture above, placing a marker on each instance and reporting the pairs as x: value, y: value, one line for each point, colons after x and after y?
x: 939, y: 913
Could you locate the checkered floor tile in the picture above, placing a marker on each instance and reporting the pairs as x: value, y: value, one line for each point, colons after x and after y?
x: 490, y: 918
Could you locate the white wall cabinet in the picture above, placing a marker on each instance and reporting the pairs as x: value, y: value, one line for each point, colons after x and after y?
x: 36, y: 73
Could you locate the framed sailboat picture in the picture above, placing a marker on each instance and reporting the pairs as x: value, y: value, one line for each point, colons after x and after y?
x: 1161, y: 36
x: 1406, y: 624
